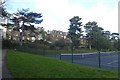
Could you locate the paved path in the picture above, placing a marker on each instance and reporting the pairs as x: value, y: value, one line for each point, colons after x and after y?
x: 0, y: 64
x: 5, y: 71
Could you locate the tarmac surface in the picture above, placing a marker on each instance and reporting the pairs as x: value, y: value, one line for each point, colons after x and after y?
x: 5, y: 71
x: 107, y: 60
x: 0, y: 64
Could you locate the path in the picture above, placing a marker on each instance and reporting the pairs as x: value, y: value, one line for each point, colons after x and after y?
x: 0, y: 64
x: 5, y: 71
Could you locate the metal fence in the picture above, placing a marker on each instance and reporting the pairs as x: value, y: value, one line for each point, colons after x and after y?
x: 106, y: 60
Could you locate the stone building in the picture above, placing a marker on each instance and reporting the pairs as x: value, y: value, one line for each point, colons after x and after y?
x: 3, y: 28
x: 56, y: 35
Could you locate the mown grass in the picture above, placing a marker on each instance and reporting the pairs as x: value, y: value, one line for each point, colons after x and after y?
x: 46, y: 51
x: 69, y: 51
x: 24, y: 65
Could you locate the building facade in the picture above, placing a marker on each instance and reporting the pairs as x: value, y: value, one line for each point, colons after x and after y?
x: 55, y: 35
x: 3, y: 28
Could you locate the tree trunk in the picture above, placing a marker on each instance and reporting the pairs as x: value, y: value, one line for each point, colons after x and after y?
x: 21, y: 39
x: 72, y: 52
x: 90, y: 47
x: 21, y: 35
x: 30, y: 38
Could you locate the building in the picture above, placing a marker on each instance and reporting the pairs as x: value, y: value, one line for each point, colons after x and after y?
x: 40, y: 33
x: 3, y: 28
x: 56, y: 35
x: 83, y: 42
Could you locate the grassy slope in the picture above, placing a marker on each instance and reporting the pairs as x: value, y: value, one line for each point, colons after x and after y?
x: 23, y: 65
x: 40, y: 51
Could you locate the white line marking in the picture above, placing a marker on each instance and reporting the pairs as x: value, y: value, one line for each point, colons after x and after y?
x: 113, y: 62
x: 79, y: 54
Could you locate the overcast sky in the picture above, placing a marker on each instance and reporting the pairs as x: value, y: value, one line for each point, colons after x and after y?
x: 56, y: 13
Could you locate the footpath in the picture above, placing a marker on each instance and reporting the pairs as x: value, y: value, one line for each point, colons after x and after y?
x: 5, y: 72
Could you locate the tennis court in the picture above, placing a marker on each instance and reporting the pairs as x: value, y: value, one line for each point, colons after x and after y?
x: 107, y: 60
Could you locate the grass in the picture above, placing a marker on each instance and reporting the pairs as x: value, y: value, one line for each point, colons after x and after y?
x: 69, y: 51
x: 48, y: 51
x: 24, y: 65
x: 41, y: 51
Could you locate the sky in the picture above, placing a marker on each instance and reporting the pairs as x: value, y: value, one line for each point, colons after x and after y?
x: 56, y: 13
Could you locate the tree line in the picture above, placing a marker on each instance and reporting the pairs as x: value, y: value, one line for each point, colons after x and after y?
x: 96, y: 37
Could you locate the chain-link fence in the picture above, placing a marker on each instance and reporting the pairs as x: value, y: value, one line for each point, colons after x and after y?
x: 106, y: 60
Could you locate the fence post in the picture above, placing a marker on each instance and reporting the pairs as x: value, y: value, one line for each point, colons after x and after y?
x: 99, y: 59
x: 72, y: 52
x: 60, y: 56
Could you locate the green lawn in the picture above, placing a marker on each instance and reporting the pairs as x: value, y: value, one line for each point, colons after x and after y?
x: 41, y: 51
x: 46, y: 51
x: 24, y: 65
x: 69, y: 51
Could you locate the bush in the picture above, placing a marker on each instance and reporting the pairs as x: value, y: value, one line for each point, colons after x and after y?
x: 8, y: 44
